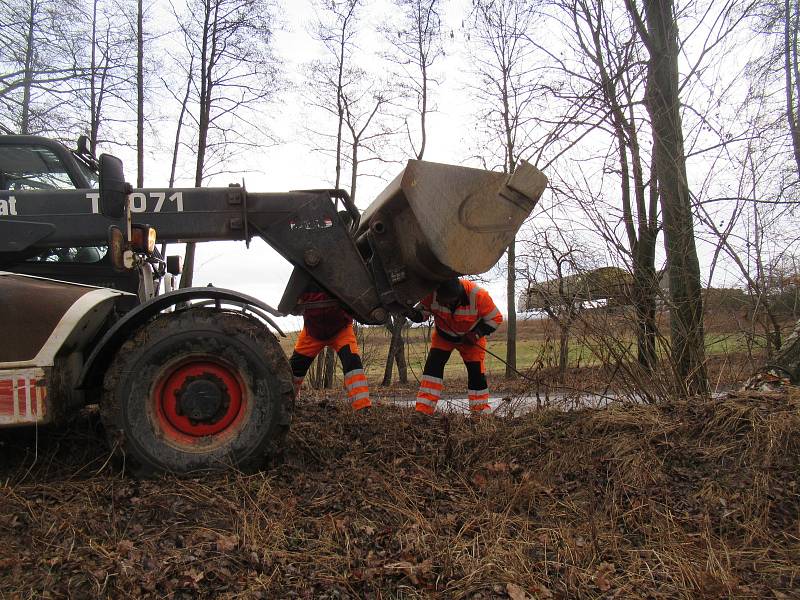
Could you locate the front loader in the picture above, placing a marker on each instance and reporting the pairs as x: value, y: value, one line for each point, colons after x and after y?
x: 195, y: 378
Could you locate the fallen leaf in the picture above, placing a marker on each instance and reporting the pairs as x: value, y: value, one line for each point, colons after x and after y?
x: 498, y: 467
x: 479, y: 479
x: 125, y: 547
x: 412, y: 571
x: 195, y: 575
x: 227, y: 543
x: 541, y: 591
x: 601, y: 576
x: 515, y: 592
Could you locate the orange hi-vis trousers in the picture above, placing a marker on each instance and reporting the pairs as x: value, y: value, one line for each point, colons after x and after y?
x: 345, y: 345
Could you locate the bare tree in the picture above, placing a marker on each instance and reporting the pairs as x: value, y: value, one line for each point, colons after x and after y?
x: 236, y: 73
x: 507, y: 88
x: 780, y: 23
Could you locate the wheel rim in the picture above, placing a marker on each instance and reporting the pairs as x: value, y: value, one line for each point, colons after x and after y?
x: 199, y: 398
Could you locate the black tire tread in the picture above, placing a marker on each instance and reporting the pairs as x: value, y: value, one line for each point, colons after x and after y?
x: 195, y: 318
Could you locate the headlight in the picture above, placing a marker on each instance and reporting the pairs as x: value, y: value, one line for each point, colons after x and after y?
x: 143, y: 238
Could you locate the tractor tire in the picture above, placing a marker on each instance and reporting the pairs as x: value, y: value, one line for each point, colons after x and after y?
x: 197, y: 390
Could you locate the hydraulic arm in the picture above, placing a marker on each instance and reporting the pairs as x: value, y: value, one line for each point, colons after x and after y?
x: 432, y: 222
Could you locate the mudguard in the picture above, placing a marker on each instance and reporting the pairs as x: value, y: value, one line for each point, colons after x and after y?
x: 95, y: 366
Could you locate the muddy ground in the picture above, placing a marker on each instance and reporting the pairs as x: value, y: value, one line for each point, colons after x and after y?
x: 693, y: 499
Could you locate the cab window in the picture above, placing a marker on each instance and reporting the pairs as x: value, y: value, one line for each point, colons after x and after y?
x: 85, y: 255
x: 31, y: 167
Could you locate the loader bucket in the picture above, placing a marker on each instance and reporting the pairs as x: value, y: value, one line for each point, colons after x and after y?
x: 435, y: 221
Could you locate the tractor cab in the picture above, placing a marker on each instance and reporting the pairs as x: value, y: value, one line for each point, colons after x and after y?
x: 32, y: 163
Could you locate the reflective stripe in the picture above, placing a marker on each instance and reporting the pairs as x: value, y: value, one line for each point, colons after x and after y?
x: 358, y: 396
x: 355, y: 382
x: 355, y: 379
x: 491, y: 315
x: 432, y: 379
x: 431, y: 403
x: 432, y: 397
x: 353, y: 391
x: 429, y: 385
x: 478, y: 399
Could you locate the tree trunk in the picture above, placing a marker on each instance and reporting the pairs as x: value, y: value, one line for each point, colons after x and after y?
x: 511, y: 318
x: 663, y: 105
x: 206, y: 66
x: 645, y: 281
x: 93, y: 84
x: 315, y: 372
x: 789, y: 356
x: 139, y: 95
x: 790, y: 65
x: 330, y: 365
x: 396, y: 352
x: 563, y: 351
x: 25, y: 117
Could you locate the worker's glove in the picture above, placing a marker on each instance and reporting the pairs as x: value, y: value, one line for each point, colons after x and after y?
x: 416, y: 316
x: 482, y: 329
x: 470, y: 338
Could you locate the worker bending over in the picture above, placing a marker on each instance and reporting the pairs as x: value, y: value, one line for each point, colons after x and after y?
x: 463, y: 315
x: 325, y: 323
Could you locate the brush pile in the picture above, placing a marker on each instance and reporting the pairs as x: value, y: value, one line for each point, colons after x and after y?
x: 688, y: 499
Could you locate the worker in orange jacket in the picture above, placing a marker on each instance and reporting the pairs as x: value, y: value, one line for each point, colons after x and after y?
x: 325, y: 323
x: 463, y: 315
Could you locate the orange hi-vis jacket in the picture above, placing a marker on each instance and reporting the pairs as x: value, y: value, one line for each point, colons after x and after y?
x: 479, y: 308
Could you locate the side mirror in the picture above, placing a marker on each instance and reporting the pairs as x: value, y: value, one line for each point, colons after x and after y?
x: 113, y: 188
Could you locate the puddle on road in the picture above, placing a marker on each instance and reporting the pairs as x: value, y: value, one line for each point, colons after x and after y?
x: 517, y: 405
x: 521, y: 404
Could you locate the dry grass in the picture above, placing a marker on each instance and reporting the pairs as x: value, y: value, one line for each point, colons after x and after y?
x: 695, y: 499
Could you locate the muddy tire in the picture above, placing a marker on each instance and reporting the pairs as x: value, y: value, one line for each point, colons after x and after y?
x: 197, y: 390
